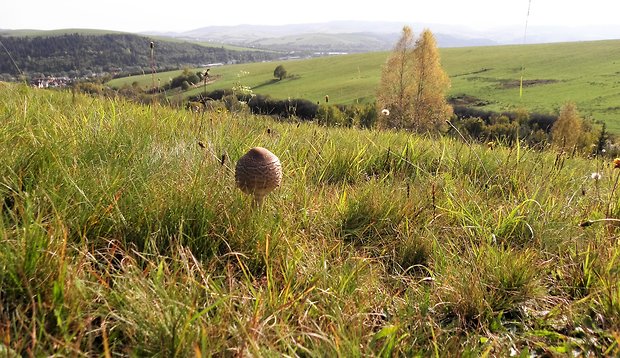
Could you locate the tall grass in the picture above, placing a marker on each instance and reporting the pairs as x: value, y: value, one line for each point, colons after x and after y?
x: 120, y: 234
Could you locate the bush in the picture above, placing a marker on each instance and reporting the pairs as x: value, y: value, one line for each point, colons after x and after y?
x: 184, y: 80
x: 232, y: 103
x: 279, y: 72
x: 367, y: 116
x: 330, y: 115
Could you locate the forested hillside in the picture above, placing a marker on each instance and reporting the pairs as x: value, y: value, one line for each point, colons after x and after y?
x: 81, y: 54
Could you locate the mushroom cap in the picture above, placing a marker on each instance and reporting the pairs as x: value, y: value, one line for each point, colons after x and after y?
x: 258, y: 172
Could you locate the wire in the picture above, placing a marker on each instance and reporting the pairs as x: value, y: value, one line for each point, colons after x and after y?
x: 11, y: 57
x: 527, y: 17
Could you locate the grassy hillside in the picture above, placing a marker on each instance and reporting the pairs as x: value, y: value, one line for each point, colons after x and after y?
x: 346, y: 79
x: 120, y: 235
x: 585, y: 72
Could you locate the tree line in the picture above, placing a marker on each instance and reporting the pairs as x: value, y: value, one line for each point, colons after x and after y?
x: 113, y: 53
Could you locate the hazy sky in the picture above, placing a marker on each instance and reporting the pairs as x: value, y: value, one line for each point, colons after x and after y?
x: 154, y: 15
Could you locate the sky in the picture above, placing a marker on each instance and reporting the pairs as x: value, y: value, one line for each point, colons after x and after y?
x: 163, y: 16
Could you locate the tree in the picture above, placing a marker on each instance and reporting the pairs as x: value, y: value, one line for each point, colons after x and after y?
x: 279, y: 72
x: 397, y: 87
x: 413, y: 85
x: 567, y: 128
x: 430, y: 107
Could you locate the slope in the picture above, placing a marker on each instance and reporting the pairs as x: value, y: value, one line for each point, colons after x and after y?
x: 123, y: 234
x: 583, y: 72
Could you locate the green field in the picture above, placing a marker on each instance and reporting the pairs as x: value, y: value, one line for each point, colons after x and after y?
x: 120, y: 235
x: 310, y: 79
x: 587, y: 73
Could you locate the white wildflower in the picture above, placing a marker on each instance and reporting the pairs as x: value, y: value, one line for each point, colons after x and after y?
x: 596, y: 176
x: 385, y: 112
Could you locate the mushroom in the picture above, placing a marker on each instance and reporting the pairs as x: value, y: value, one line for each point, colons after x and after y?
x: 258, y: 172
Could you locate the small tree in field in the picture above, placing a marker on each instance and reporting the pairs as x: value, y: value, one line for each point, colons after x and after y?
x: 430, y: 108
x: 279, y: 72
x: 413, y: 85
x: 567, y: 128
x: 397, y: 86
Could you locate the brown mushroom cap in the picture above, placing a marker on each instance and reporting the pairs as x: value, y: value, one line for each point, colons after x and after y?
x: 258, y: 172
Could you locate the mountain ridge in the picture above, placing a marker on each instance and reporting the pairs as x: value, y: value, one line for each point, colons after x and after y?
x: 447, y: 35
x: 384, y: 34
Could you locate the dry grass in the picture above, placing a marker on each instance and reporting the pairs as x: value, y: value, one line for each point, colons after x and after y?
x: 121, y: 236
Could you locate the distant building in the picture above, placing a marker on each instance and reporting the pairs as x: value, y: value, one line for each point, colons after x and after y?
x: 51, y: 82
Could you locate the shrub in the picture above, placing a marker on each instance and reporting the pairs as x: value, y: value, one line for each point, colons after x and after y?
x: 330, y: 115
x: 300, y: 108
x: 367, y: 116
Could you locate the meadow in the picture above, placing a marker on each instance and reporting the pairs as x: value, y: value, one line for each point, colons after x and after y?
x: 120, y: 235
x: 583, y: 72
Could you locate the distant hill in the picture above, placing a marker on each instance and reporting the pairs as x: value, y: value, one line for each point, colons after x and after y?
x: 58, y: 32
x: 323, y: 42
x: 349, y: 42
x: 83, y: 52
x: 365, y: 36
x: 337, y: 36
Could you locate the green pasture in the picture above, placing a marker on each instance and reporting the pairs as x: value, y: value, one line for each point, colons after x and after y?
x: 587, y: 73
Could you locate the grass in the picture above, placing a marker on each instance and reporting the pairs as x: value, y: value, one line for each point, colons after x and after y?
x: 120, y: 235
x: 582, y: 72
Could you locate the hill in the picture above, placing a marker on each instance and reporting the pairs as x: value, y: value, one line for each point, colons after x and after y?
x: 122, y: 233
x: 336, y: 36
x: 485, y: 77
x: 330, y: 34
x: 77, y: 53
x: 58, y: 32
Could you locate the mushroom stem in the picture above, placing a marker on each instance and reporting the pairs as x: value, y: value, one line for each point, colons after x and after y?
x: 258, y: 200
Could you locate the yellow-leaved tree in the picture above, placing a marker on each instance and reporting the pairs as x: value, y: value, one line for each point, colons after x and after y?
x: 414, y: 85
x: 432, y: 83
x: 397, y: 84
x: 567, y: 129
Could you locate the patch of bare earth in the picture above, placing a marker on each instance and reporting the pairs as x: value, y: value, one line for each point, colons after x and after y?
x: 507, y: 84
x: 467, y: 100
